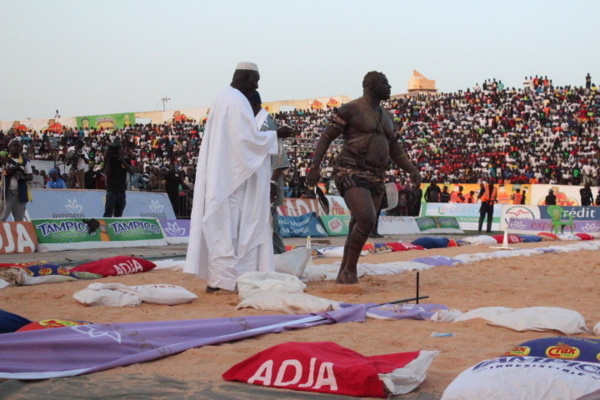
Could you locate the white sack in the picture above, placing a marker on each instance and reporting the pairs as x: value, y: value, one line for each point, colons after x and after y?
x: 533, y: 318
x: 165, y: 294
x: 291, y: 303
x: 110, y: 294
x: 119, y: 295
x: 525, y: 378
x: 405, y: 379
x: 258, y: 282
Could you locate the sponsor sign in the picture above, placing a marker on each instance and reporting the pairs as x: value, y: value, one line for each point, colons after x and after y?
x: 177, y: 231
x: 521, y: 225
x: 438, y: 225
x: 66, y: 203
x: 66, y: 234
x: 467, y: 215
x: 17, y: 237
x: 108, y: 121
x: 302, y: 226
x: 294, y: 207
x: 588, y: 213
x: 566, y: 195
x: 390, y: 225
x: 336, y: 225
x: 337, y: 205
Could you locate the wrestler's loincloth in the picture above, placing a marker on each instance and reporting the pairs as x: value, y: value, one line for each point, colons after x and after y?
x: 347, y: 176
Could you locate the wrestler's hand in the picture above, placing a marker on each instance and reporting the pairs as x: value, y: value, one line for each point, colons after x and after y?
x: 285, y: 132
x: 313, y: 176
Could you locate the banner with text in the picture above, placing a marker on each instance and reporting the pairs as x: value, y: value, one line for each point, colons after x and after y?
x: 295, y: 207
x: 467, y: 215
x: 581, y: 215
x: 17, y: 237
x: 336, y: 225
x: 534, y: 226
x: 301, y: 226
x: 68, y: 203
x: 390, y: 225
x: 68, y: 234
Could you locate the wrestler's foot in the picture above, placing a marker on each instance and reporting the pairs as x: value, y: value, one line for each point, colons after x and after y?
x: 346, y: 278
x: 375, y: 235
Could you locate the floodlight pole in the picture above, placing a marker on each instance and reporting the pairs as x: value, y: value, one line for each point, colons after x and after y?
x: 164, y: 101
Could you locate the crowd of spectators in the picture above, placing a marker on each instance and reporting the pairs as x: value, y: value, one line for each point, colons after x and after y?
x: 536, y: 134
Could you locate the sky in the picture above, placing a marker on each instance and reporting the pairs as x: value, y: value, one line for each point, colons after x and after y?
x: 90, y: 57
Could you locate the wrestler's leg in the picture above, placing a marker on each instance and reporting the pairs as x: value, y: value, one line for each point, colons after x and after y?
x: 361, y: 205
x: 347, y: 244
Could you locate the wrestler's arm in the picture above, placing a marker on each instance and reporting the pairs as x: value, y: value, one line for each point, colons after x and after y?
x: 335, y: 129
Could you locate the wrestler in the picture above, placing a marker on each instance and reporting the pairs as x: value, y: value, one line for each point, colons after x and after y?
x: 369, y: 142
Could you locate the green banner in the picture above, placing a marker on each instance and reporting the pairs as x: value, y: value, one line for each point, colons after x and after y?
x: 106, y: 121
x: 429, y: 223
x: 426, y: 223
x: 336, y: 225
x: 55, y: 231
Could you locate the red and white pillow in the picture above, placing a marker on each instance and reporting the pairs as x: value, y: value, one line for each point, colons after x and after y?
x: 118, y: 265
x: 327, y: 367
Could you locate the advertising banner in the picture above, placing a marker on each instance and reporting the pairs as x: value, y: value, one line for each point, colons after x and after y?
x: 177, y: 231
x: 302, y: 226
x: 583, y: 216
x: 337, y: 205
x: 70, y: 233
x: 17, y: 237
x: 107, y: 121
x: 534, y: 226
x: 467, y: 215
x: 390, y: 225
x: 67, y: 203
x: 505, y: 192
x: 566, y: 195
x: 432, y: 225
x: 336, y: 225
x: 295, y: 207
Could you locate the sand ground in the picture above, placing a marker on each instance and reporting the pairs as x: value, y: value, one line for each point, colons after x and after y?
x: 567, y: 280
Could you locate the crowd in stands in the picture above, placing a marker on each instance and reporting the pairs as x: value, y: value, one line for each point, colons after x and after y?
x: 536, y: 134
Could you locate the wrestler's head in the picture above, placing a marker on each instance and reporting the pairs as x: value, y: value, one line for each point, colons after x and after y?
x: 377, y: 84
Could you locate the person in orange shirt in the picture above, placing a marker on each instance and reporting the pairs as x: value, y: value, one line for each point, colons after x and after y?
x: 516, y: 197
x: 488, y: 196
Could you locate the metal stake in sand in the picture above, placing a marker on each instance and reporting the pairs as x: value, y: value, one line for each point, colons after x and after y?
x: 418, y: 278
x: 504, y: 242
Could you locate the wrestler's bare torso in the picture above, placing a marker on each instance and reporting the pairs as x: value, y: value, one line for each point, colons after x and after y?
x: 368, y: 132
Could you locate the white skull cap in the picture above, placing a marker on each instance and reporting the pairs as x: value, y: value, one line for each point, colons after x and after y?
x: 247, y: 66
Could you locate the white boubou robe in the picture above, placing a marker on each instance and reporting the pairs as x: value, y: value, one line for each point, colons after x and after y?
x: 230, y: 232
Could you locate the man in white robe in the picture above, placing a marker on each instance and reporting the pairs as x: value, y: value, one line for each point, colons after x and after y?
x: 230, y: 230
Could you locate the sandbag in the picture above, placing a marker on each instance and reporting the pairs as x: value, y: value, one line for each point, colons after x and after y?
x: 513, y: 377
x: 111, y: 294
x: 257, y: 282
x: 165, y: 294
x: 291, y: 303
x: 532, y: 318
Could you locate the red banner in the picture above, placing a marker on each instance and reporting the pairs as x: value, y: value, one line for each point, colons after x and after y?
x: 17, y: 237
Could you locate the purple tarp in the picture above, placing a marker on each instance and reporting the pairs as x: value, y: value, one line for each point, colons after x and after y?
x: 76, y: 350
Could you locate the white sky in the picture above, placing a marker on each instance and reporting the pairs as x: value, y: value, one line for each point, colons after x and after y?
x: 86, y: 57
